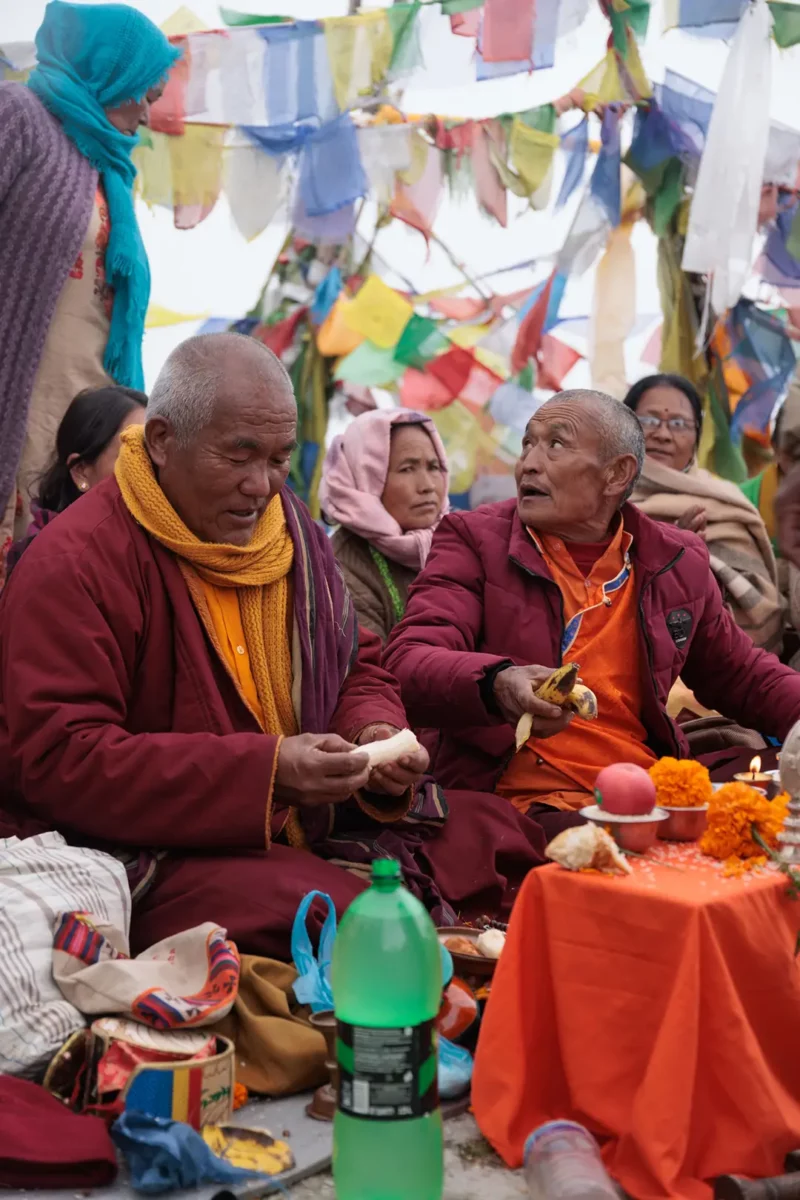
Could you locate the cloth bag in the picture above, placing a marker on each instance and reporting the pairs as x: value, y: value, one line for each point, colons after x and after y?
x: 187, y: 980
x: 40, y: 877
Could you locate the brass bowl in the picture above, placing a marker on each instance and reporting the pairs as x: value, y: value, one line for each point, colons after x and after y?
x: 636, y: 834
x: 475, y: 966
x: 684, y: 824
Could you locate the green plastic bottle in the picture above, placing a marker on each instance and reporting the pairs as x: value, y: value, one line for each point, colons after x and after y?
x: 387, y: 990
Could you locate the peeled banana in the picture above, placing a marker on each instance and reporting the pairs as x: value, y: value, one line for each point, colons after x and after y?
x: 561, y: 688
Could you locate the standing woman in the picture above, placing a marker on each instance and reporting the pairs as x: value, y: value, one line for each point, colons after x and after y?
x: 384, y: 483
x: 74, y: 270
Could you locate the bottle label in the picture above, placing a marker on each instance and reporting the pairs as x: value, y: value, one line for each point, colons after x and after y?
x: 387, y: 1074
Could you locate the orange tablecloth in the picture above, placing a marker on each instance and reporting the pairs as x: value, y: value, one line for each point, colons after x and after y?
x: 660, y: 1010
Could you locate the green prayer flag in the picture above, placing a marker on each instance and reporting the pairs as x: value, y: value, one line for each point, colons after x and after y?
x: 370, y: 365
x: 406, y: 48
x: 668, y: 197
x: 785, y: 22
x: 542, y: 118
x: 234, y: 19
x: 419, y: 342
x: 636, y: 16
x: 725, y: 459
x: 793, y: 240
x: 451, y: 7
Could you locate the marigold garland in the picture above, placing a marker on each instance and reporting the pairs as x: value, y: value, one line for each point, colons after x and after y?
x: 733, y: 811
x: 681, y: 783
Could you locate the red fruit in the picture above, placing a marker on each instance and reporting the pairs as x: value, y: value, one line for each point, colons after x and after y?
x: 625, y: 790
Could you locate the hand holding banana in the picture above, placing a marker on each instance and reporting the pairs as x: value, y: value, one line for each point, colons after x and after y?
x: 541, y: 701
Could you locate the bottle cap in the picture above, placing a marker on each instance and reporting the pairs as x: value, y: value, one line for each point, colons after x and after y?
x: 386, y: 868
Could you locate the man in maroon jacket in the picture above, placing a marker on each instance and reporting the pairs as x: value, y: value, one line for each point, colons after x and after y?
x: 181, y: 682
x: 569, y: 572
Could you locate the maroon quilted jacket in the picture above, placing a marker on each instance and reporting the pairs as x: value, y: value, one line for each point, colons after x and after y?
x: 486, y: 597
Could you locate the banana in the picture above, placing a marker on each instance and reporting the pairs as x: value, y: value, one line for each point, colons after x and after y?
x: 583, y: 702
x: 559, y: 684
x: 561, y: 688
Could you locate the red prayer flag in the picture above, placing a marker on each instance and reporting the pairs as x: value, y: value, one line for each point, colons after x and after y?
x: 423, y: 392
x: 280, y: 336
x: 507, y: 31
x: 529, y: 336
x: 168, y: 114
x: 557, y: 360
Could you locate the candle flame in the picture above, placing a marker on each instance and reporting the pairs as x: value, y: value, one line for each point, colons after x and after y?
x: 755, y: 765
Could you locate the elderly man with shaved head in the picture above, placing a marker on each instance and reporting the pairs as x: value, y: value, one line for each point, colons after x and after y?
x: 181, y: 683
x: 570, y: 572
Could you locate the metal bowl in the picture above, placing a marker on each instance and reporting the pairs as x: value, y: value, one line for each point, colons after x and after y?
x: 630, y: 833
x: 684, y: 824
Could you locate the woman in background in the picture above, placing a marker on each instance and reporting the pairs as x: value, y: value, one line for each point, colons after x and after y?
x: 673, y: 488
x: 87, y: 446
x: 74, y: 271
x: 384, y: 482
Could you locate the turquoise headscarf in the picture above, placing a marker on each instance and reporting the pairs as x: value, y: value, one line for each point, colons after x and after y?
x: 92, y: 57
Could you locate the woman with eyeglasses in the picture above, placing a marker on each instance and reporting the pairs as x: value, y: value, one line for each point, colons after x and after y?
x: 673, y: 488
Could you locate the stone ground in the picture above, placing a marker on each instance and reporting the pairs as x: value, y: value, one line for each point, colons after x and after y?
x: 472, y: 1170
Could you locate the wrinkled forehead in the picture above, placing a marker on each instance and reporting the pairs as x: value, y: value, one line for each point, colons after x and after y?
x: 575, y: 422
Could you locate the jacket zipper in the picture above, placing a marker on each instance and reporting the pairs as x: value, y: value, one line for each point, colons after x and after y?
x: 648, y: 643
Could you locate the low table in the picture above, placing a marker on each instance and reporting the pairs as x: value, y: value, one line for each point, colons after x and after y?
x: 661, y: 1010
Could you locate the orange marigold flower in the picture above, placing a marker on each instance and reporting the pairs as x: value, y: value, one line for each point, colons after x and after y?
x: 733, y: 811
x: 681, y: 783
x: 240, y: 1096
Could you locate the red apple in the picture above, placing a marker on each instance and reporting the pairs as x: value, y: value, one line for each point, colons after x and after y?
x: 626, y: 790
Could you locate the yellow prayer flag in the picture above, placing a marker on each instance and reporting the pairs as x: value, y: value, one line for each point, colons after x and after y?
x: 335, y: 338
x: 379, y: 313
x: 196, y: 160
x: 154, y: 169
x: 359, y: 52
x: 183, y: 21
x: 466, y: 336
x: 159, y: 317
x: 531, y: 152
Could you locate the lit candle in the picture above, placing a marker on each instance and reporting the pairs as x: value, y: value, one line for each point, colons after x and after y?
x: 754, y: 776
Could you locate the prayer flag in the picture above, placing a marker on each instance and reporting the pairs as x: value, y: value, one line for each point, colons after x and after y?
x: 531, y: 153
x: 196, y: 163
x: 406, y: 47
x: 418, y: 203
x: 785, y: 22
x: 370, y: 366
x: 423, y: 392
x: 331, y: 174
x: 420, y: 341
x: 297, y: 77
x: 359, y: 51
x: 335, y: 338
x: 531, y: 329
x: 508, y: 27
x: 254, y: 184
x: 575, y: 146
x: 379, y: 313
x: 713, y: 18
x: 168, y: 113
x: 326, y: 295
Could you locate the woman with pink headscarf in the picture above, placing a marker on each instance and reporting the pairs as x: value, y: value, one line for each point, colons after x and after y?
x: 384, y: 483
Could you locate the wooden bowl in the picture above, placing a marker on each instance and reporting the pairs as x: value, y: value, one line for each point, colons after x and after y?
x: 475, y: 965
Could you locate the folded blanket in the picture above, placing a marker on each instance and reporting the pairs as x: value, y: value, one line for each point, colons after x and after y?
x: 44, y: 1145
x: 741, y: 555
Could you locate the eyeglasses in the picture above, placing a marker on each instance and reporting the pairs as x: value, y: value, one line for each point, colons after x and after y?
x: 674, y: 424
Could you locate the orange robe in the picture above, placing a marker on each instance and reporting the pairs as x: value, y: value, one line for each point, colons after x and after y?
x: 601, y: 634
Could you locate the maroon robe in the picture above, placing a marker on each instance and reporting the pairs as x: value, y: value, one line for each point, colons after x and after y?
x: 122, y: 728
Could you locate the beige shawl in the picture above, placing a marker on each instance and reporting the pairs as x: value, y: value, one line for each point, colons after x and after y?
x: 741, y: 555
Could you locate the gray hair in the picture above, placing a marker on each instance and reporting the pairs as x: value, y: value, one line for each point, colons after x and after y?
x: 188, y: 385
x: 620, y: 431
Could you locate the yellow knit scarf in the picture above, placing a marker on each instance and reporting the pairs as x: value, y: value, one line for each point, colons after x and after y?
x: 259, y: 571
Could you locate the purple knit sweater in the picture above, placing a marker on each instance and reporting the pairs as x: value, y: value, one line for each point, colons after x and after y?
x: 47, y: 191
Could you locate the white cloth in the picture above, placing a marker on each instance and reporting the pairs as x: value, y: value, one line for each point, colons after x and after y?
x: 724, y: 213
x: 40, y: 878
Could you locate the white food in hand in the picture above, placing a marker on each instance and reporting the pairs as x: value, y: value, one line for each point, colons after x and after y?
x: 491, y: 943
x: 390, y: 749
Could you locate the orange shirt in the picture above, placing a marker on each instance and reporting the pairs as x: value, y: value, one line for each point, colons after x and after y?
x: 223, y: 607
x: 601, y: 633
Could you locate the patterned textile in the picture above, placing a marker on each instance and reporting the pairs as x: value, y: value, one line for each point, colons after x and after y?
x: 187, y: 980
x: 39, y: 878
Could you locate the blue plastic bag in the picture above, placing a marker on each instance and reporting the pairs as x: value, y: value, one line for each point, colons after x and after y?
x: 454, y: 1070
x: 163, y: 1155
x: 313, y: 983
